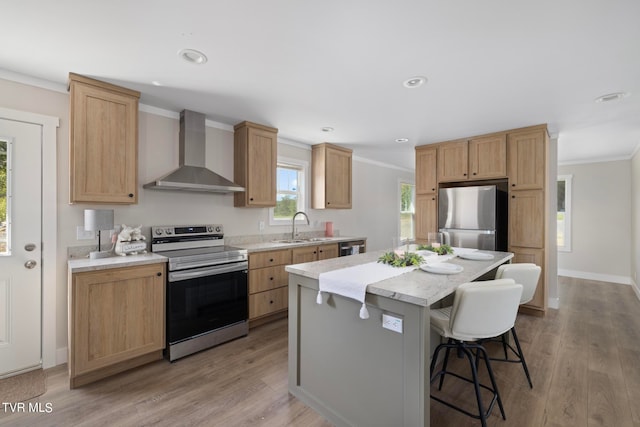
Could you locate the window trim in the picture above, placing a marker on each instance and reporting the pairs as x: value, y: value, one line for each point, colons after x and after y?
x: 567, y: 212
x: 399, y: 205
x: 304, y: 167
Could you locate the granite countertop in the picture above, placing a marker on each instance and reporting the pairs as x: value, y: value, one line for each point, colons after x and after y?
x: 314, y: 241
x: 415, y: 287
x: 80, y: 265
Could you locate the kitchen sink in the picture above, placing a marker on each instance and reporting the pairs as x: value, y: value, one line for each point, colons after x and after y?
x: 311, y: 239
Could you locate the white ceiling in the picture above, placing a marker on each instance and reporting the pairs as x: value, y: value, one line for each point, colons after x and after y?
x: 299, y: 65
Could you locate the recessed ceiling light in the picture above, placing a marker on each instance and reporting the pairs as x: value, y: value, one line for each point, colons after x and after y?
x: 402, y: 140
x: 414, y: 82
x: 193, y: 56
x: 327, y: 129
x: 612, y: 97
x: 156, y: 83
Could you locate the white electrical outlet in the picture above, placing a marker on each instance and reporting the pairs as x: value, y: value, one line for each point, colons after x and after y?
x: 261, y: 225
x: 392, y: 323
x: 82, y: 234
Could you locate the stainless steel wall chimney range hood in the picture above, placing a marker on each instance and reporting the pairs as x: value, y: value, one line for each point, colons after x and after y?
x: 192, y: 175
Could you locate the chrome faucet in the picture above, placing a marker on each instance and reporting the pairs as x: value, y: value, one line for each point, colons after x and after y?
x: 293, y: 223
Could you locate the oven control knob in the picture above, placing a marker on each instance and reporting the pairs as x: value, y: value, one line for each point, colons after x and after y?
x: 218, y: 229
x: 159, y: 231
x: 210, y: 229
x: 168, y: 231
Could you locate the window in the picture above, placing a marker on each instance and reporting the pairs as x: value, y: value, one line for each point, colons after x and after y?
x: 407, y: 211
x: 564, y: 213
x: 4, y: 197
x: 290, y: 186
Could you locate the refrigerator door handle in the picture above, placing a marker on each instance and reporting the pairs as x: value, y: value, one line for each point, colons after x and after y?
x: 446, y: 230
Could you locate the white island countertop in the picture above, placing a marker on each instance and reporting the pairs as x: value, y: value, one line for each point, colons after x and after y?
x: 415, y: 287
x: 80, y: 265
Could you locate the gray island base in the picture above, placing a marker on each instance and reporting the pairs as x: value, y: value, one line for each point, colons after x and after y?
x: 354, y: 372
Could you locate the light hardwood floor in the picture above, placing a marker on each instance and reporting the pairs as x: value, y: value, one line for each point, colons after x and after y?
x: 584, y: 360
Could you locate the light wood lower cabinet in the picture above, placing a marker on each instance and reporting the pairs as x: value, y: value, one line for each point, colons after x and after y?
x: 314, y: 253
x: 538, y: 304
x: 116, y: 321
x: 426, y: 215
x: 269, y: 302
x: 268, y: 284
x: 268, y: 280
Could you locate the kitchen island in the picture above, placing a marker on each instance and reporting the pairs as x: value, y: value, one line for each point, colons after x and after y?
x: 353, y: 371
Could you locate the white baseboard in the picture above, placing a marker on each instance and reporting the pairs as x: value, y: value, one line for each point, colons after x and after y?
x: 635, y: 288
x: 623, y: 280
x: 554, y: 303
x: 61, y: 356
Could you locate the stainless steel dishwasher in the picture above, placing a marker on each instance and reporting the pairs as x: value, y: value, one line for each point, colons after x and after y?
x: 353, y: 247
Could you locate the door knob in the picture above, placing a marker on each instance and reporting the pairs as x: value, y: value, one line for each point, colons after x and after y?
x: 30, y: 264
x: 29, y: 247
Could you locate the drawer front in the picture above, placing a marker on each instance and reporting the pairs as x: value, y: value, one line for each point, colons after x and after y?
x: 268, y: 259
x: 264, y: 279
x: 268, y: 302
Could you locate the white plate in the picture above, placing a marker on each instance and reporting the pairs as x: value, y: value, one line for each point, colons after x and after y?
x: 442, y: 268
x: 477, y: 256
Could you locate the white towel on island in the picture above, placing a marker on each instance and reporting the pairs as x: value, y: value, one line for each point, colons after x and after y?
x: 352, y: 282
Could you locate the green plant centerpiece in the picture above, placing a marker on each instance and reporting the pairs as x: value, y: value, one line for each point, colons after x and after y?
x: 440, y: 250
x: 403, y: 259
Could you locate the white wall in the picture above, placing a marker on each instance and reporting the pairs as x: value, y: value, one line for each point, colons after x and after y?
x: 375, y: 187
x: 601, y: 222
x: 635, y: 220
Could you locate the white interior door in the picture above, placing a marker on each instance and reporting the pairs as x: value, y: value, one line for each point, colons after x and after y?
x: 20, y: 246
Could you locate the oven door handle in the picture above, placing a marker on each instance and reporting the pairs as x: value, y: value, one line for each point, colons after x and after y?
x: 203, y: 272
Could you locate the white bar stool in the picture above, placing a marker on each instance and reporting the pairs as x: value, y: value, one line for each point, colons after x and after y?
x: 527, y: 275
x: 480, y: 310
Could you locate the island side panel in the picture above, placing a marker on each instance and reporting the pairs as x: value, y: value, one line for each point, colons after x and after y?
x: 353, y: 371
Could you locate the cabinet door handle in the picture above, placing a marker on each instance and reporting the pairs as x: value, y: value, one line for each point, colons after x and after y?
x: 475, y: 173
x: 513, y: 197
x: 433, y: 189
x: 464, y: 174
x: 270, y: 278
x: 130, y: 194
x: 271, y: 302
x: 251, y: 199
x: 513, y: 185
x: 158, y: 274
x: 270, y: 259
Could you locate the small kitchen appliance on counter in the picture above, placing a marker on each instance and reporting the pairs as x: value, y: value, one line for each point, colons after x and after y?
x: 207, y: 290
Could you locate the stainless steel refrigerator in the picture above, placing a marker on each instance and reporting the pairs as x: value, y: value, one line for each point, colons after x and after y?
x: 474, y: 216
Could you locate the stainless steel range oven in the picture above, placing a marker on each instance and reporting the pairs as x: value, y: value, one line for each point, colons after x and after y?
x: 207, y: 295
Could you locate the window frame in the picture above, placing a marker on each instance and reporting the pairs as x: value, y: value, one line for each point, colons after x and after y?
x: 8, y: 195
x: 303, y: 167
x: 568, y: 181
x: 402, y: 182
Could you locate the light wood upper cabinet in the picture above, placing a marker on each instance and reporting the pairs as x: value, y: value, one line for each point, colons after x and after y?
x: 116, y: 320
x: 488, y: 157
x: 453, y: 162
x: 255, y: 164
x: 482, y: 157
x: 426, y: 173
x: 103, y: 143
x: 526, y: 151
x: 330, y: 177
